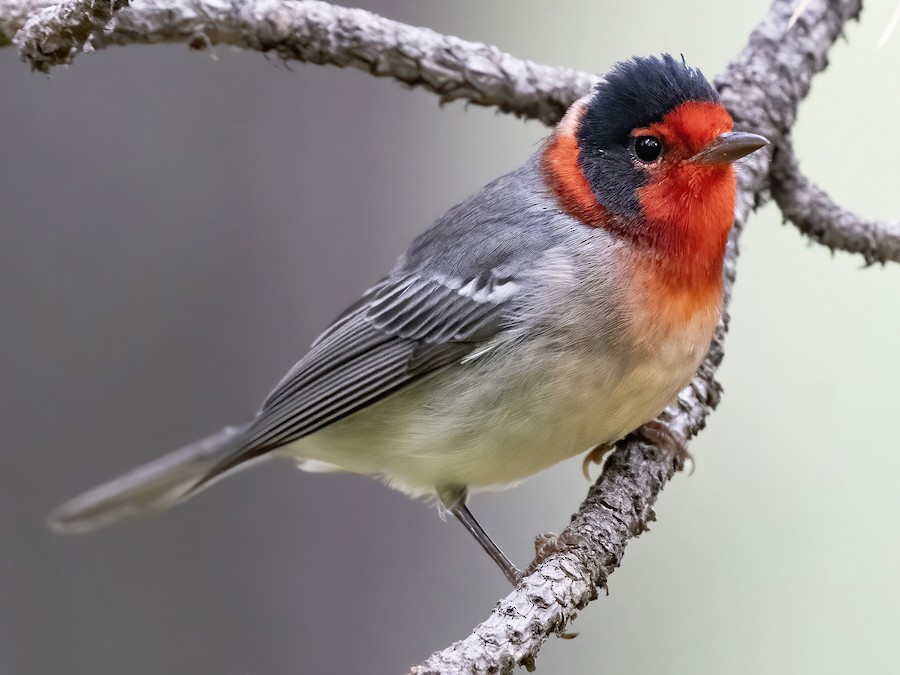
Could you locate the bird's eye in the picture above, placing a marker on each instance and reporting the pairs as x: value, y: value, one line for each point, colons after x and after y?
x: 647, y: 148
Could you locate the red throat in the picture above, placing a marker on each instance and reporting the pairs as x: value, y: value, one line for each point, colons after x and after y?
x: 686, y: 209
x: 689, y: 207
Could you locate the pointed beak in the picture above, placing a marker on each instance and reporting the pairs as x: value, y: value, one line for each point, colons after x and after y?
x: 726, y: 148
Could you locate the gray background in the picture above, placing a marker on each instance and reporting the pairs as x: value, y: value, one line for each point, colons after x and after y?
x: 175, y: 229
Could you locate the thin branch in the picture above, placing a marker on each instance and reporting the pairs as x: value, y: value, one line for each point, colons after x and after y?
x: 762, y: 88
x: 818, y: 217
x: 890, y: 28
x: 307, y: 31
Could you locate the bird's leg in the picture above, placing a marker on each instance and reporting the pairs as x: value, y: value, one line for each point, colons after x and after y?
x: 468, y: 520
x: 455, y: 502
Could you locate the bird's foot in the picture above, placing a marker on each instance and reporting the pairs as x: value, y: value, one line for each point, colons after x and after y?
x: 657, y: 433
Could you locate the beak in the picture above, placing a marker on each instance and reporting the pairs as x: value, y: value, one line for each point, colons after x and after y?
x: 729, y: 147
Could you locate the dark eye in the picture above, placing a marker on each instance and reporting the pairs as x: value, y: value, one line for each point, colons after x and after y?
x: 647, y: 148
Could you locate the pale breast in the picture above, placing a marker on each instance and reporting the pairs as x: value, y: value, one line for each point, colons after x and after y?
x: 582, y: 367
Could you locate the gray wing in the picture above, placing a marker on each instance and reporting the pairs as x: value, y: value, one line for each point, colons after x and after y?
x: 401, y: 329
x: 441, y: 302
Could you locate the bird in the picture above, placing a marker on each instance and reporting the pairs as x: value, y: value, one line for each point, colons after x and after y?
x: 553, y: 312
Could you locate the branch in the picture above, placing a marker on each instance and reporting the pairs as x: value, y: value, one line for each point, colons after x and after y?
x: 818, y: 217
x: 306, y: 31
x: 762, y: 88
x: 56, y: 32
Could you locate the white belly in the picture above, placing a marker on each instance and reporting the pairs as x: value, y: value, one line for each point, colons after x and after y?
x: 492, y: 423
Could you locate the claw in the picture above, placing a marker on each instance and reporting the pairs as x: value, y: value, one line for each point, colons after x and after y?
x: 595, y: 456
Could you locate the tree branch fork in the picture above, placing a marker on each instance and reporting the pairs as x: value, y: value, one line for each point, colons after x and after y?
x: 762, y: 88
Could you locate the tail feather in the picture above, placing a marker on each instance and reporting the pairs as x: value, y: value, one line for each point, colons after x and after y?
x: 153, y: 487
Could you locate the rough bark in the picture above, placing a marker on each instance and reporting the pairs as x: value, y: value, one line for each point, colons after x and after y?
x: 818, y: 217
x: 762, y: 88
x: 301, y: 30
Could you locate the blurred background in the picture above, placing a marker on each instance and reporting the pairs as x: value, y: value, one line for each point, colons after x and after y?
x: 175, y: 229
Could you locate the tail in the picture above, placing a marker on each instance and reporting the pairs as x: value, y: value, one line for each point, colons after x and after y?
x: 152, y: 487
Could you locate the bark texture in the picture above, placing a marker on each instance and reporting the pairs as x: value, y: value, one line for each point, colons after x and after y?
x: 306, y: 31
x: 818, y: 217
x: 762, y: 88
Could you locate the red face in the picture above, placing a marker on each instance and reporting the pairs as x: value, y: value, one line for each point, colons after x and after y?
x: 681, y: 190
x: 689, y: 204
x: 683, y: 201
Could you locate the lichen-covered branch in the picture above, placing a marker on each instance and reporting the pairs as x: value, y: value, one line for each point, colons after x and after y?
x: 307, y: 31
x: 818, y: 217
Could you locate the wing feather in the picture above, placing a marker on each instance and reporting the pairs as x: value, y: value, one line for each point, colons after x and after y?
x: 365, y: 378
x: 405, y: 327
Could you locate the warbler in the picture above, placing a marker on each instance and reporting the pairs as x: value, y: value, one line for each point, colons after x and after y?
x: 559, y: 308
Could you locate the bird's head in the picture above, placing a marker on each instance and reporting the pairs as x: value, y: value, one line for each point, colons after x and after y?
x: 648, y: 155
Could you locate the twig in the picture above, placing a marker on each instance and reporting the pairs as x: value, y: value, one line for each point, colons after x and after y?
x: 890, y: 28
x: 311, y: 32
x: 818, y: 217
x: 762, y: 88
